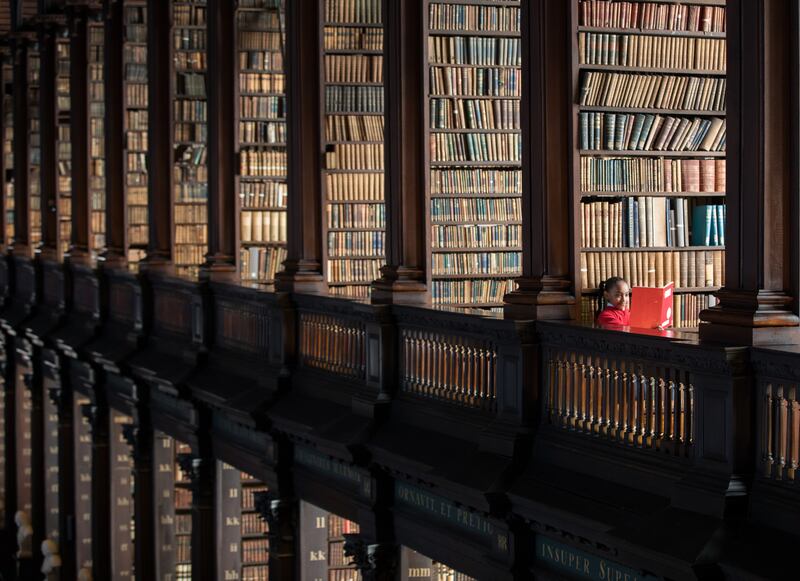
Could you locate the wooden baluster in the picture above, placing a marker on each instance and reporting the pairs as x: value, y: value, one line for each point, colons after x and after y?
x: 492, y: 379
x: 480, y: 388
x: 632, y: 395
x: 614, y: 402
x: 781, y: 427
x: 604, y: 411
x: 791, y: 446
x: 688, y: 422
x: 794, y: 433
x: 440, y: 384
x: 768, y: 417
x: 573, y: 389
x: 591, y: 389
x: 624, y: 402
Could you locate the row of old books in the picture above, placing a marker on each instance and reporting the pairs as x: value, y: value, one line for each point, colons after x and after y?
x: 625, y: 174
x: 647, y: 132
x: 189, y: 13
x: 260, y: 262
x: 478, y: 236
x: 343, y: 187
x: 369, y: 38
x: 257, y: 40
x: 354, y: 128
x: 656, y: 52
x: 191, y: 233
x: 263, y: 107
x: 263, y: 82
x: 476, y: 181
x: 353, y: 68
x: 472, y: 17
x: 686, y: 268
x: 194, y: 133
x: 64, y: 148
x: 97, y: 143
x: 651, y: 221
x: 254, y: 550
x: 652, y: 16
x: 361, y: 244
x: 263, y: 226
x: 476, y: 263
x: 356, y: 216
x: 263, y: 162
x: 260, y: 60
x: 476, y: 209
x: 474, y: 50
x: 603, y: 89
x: 354, y: 11
x: 475, y: 114
x: 8, y: 185
x: 477, y: 81
x: 355, y: 156
x: 480, y: 291
x: 255, y: 573
x: 357, y: 99
x: 190, y: 254
x: 262, y: 132
x: 267, y: 195
x: 491, y: 147
x: 354, y: 270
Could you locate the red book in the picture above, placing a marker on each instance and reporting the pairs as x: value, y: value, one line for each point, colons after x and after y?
x: 652, y: 307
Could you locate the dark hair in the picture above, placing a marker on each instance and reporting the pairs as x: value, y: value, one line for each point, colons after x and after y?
x: 610, y: 283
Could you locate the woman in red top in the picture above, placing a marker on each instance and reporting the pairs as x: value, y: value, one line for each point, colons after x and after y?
x: 616, y: 294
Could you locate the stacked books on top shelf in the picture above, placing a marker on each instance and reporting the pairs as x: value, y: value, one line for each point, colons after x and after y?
x: 354, y: 180
x: 650, y: 140
x: 262, y: 139
x: 474, y: 56
x: 97, y: 162
x: 8, y: 153
x: 190, y: 172
x: 136, y: 134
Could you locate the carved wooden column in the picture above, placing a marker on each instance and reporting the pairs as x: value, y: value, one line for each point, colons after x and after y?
x: 756, y: 305
x: 139, y: 436
x: 97, y: 414
x: 33, y: 383
x: 404, y: 278
x: 544, y: 289
x: 22, y: 218
x: 159, y: 153
x: 303, y: 265
x: 115, y: 255
x: 79, y: 134
x: 375, y: 561
x: 222, y: 146
x: 202, y: 471
x: 49, y: 136
x: 281, y: 516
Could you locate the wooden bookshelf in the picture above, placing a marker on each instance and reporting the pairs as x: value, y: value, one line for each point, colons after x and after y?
x: 97, y: 168
x: 353, y: 101
x: 8, y: 152
x: 136, y: 129
x: 244, y: 533
x: 649, y: 142
x: 64, y: 146
x: 122, y: 490
x: 51, y: 452
x: 474, y: 84
x: 415, y: 566
x: 261, y: 125
x: 190, y: 136
x: 322, y: 545
x: 339, y: 567
x: 173, y: 510
x: 83, y: 486
x: 23, y: 442
x: 34, y: 148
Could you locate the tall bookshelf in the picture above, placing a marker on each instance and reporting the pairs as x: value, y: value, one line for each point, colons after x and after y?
x: 136, y: 130
x: 173, y: 510
x: 245, y: 545
x: 415, y: 566
x: 97, y: 162
x: 34, y: 147
x: 261, y: 127
x: 190, y: 136
x: 355, y: 214
x: 339, y: 566
x: 64, y: 146
x: 83, y: 486
x: 649, y: 167
x: 8, y: 151
x: 322, y: 545
x: 50, y: 441
x: 474, y: 56
x: 122, y: 490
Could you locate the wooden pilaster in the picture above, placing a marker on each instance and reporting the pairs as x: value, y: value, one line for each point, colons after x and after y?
x: 79, y: 135
x: 22, y: 217
x: 303, y: 265
x: 222, y: 146
x: 404, y: 278
x: 756, y: 304
x: 544, y: 290
x: 49, y: 136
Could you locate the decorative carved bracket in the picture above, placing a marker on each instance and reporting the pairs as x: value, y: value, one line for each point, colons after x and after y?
x: 375, y: 561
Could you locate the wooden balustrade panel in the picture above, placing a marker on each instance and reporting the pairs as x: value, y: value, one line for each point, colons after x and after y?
x: 332, y: 343
x: 635, y: 403
x: 780, y: 425
x: 451, y: 368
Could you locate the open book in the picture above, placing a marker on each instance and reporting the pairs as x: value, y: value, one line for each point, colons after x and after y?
x: 652, y: 307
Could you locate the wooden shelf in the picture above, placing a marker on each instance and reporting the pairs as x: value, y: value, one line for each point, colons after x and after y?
x: 626, y: 69
x: 496, y: 33
x: 652, y: 249
x: 585, y: 194
x: 646, y: 32
x: 638, y: 153
x: 683, y: 112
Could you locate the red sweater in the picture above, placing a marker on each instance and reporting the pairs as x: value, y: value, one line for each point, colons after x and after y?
x: 614, y: 316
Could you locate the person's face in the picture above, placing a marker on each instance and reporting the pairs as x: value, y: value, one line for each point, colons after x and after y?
x: 619, y: 295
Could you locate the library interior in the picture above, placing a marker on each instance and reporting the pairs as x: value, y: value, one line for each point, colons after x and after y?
x: 399, y: 290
